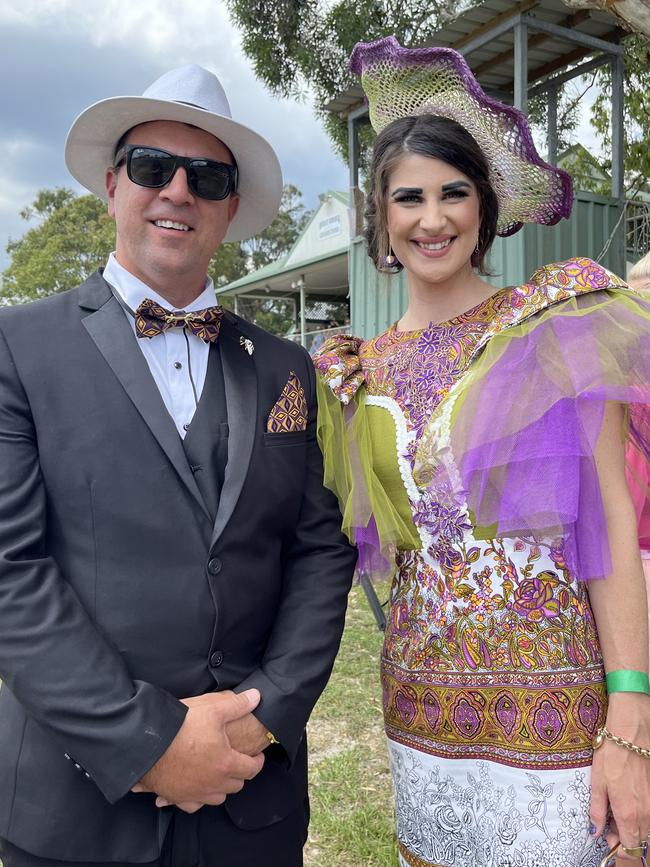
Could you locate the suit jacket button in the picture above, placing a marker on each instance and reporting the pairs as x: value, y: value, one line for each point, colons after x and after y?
x: 214, y: 566
x: 216, y: 659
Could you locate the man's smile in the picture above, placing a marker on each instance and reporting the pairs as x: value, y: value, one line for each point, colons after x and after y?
x: 171, y: 224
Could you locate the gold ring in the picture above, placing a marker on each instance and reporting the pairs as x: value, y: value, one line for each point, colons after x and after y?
x: 639, y: 851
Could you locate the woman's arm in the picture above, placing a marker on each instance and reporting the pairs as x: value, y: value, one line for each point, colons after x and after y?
x: 621, y: 778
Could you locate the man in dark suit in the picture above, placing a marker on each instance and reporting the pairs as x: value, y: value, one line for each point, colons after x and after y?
x: 172, y: 576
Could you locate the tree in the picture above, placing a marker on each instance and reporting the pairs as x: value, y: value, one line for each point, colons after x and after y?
x: 636, y: 112
x: 278, y: 238
x: 634, y: 14
x: 228, y: 263
x: 307, y: 43
x: 277, y: 315
x: 296, y: 44
x: 74, y: 236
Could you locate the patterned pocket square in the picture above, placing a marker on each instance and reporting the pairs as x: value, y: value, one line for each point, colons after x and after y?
x: 290, y: 411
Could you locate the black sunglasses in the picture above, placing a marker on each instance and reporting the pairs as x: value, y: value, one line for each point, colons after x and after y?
x: 154, y: 168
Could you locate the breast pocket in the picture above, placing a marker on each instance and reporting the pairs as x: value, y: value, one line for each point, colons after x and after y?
x: 291, y: 438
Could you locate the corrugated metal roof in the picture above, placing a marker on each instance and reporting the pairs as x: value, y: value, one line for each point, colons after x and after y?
x: 492, y: 63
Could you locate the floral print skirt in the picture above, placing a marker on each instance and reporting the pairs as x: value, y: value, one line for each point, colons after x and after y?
x: 459, y: 813
x: 493, y: 690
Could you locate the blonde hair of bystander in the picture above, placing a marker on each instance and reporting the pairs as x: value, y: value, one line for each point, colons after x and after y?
x: 638, y: 276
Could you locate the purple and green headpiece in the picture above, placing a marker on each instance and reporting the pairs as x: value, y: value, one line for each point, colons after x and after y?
x: 399, y: 82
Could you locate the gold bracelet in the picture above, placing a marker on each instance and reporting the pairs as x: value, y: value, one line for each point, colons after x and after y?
x: 603, y: 734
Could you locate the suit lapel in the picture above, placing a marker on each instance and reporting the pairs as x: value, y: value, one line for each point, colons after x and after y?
x: 110, y: 330
x: 240, y: 380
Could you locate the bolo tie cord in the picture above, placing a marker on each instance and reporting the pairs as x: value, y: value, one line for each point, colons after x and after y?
x: 189, y: 367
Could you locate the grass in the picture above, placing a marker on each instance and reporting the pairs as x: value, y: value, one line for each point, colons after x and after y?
x: 352, y: 822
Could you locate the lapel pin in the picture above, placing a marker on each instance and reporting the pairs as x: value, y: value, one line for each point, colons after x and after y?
x: 247, y: 344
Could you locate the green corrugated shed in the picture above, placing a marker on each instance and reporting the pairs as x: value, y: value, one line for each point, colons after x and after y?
x: 377, y: 300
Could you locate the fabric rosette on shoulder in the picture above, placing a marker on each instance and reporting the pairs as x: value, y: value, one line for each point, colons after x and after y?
x: 371, y: 519
x: 524, y: 422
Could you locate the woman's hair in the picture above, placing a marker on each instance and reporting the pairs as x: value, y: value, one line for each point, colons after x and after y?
x: 640, y: 271
x: 427, y: 135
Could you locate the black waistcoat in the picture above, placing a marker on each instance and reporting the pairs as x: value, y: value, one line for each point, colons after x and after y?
x: 206, y: 440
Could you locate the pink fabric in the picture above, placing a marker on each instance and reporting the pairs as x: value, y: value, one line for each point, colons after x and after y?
x: 638, y: 480
x: 637, y: 471
x: 646, y: 571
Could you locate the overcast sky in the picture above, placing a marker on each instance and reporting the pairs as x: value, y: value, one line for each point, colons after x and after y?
x: 57, y: 57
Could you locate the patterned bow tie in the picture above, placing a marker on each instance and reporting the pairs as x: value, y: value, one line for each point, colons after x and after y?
x: 152, y: 319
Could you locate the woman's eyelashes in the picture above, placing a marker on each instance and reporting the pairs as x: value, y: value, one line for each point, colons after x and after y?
x: 407, y: 198
x: 455, y: 194
x: 416, y: 196
x: 407, y: 194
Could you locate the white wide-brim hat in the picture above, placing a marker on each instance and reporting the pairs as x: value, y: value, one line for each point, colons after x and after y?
x: 189, y: 95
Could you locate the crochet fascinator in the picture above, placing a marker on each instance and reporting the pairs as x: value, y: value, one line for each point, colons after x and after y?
x: 399, y: 82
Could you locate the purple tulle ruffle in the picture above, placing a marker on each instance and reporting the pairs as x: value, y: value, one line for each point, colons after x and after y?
x: 525, y: 428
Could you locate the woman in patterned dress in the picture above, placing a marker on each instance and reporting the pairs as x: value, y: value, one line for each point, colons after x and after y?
x: 476, y: 448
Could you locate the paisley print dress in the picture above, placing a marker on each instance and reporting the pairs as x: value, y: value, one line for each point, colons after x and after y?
x: 492, y: 677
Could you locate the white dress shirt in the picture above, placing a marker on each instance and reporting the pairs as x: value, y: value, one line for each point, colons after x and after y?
x: 177, y: 359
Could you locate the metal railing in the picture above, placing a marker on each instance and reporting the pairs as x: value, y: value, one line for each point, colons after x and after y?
x: 315, y: 339
x: 637, y: 229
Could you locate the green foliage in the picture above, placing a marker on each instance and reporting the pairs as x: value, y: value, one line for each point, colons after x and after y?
x: 305, y: 44
x: 278, y: 238
x: 72, y: 239
x: 277, y: 315
x: 636, y: 112
x: 569, y: 97
x: 228, y: 263
x: 277, y: 48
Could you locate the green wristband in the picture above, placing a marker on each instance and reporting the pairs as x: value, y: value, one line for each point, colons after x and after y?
x: 628, y: 681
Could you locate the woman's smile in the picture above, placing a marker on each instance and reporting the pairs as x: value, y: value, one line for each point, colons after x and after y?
x: 434, y: 248
x: 433, y: 220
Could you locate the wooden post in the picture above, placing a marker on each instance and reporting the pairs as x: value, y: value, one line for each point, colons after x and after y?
x: 551, y: 130
x: 521, y: 66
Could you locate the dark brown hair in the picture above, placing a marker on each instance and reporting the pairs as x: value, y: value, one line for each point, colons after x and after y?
x: 427, y: 135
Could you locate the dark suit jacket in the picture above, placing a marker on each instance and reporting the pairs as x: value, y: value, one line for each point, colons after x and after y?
x: 119, y: 595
